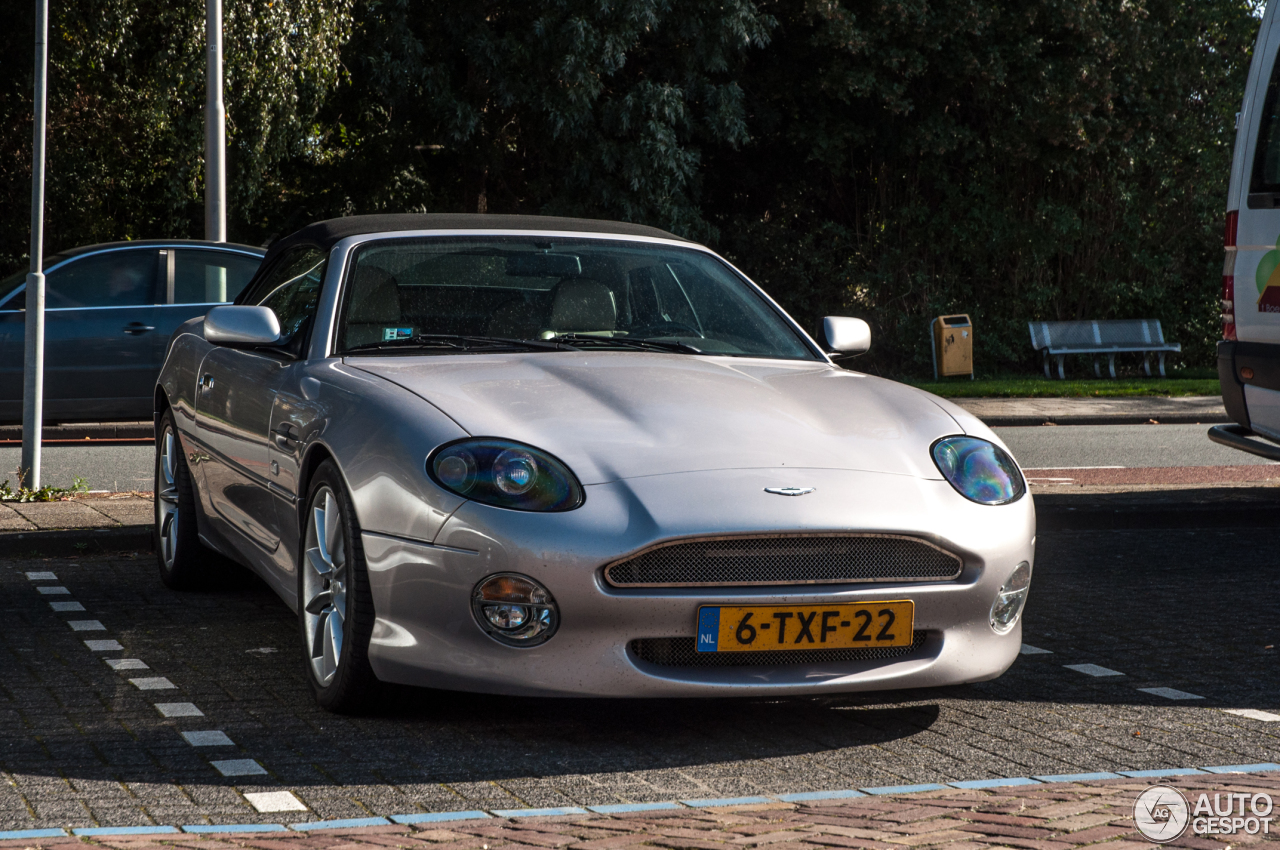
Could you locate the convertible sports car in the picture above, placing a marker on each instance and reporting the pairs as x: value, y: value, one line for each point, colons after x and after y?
x: 546, y: 456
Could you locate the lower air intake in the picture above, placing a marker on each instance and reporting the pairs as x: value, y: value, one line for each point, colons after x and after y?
x: 681, y: 652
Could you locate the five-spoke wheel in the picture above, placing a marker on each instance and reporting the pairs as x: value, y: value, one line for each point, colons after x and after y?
x: 185, y: 563
x: 324, y: 585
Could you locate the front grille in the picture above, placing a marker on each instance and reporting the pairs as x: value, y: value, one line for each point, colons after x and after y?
x: 785, y: 559
x: 682, y: 652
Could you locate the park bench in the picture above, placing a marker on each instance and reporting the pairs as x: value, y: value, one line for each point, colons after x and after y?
x: 1109, y: 337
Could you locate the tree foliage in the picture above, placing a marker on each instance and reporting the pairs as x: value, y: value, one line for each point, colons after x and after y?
x: 893, y: 159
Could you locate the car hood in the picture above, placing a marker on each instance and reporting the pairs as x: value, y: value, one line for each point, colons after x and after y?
x: 617, y: 415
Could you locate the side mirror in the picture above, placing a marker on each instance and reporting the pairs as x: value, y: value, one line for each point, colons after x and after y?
x: 846, y: 336
x: 241, y: 325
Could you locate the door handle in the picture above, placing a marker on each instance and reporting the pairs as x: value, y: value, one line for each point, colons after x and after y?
x: 284, y: 437
x: 136, y: 328
x: 206, y: 384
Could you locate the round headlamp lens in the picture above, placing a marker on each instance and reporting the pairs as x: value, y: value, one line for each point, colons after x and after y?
x: 515, y: 472
x: 515, y: 610
x: 980, y: 471
x: 456, y: 469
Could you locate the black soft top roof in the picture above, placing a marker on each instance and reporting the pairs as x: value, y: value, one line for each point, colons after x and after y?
x: 325, y: 234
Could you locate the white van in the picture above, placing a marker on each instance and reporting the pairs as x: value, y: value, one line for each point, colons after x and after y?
x: 1249, y: 354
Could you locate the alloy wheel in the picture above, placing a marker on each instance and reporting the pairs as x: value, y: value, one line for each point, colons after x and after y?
x: 167, y: 496
x: 324, y: 585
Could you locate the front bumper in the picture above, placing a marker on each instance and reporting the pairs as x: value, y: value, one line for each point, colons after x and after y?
x: 425, y: 633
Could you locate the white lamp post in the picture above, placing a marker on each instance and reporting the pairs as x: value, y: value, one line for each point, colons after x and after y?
x: 33, y: 356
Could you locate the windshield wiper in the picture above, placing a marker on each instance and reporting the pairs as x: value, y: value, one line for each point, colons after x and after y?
x: 640, y: 343
x: 462, y: 342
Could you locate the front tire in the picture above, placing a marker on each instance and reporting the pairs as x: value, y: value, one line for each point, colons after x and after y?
x: 185, y: 563
x: 335, y: 605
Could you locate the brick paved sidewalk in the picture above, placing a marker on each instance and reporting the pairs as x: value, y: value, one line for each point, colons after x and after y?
x: 1041, y: 817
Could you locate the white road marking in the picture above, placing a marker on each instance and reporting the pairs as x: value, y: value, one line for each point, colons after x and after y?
x: 103, y: 645
x: 178, y: 709
x: 262, y: 650
x: 275, y: 801
x: 86, y: 626
x: 1170, y: 693
x: 126, y: 664
x: 66, y: 606
x: 42, y: 577
x: 1253, y: 714
x: 1092, y: 670
x: 153, y: 683
x: 1028, y: 649
x: 211, y: 738
x: 239, y: 767
x: 53, y: 590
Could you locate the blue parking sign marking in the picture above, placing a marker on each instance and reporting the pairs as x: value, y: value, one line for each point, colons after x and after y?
x: 708, y: 629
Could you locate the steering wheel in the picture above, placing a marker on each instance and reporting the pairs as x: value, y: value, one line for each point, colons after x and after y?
x: 667, y: 328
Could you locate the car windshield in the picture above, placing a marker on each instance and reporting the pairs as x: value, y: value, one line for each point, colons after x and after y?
x: 454, y: 295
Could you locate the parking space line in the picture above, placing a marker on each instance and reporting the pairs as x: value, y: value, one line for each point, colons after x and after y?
x: 209, y: 738
x: 153, y: 683
x: 1253, y: 714
x: 103, y: 645
x: 239, y: 767
x: 63, y: 607
x: 86, y: 626
x: 275, y: 801
x: 53, y: 590
x: 1170, y: 693
x: 178, y: 709
x: 1028, y: 649
x: 1093, y: 670
x: 41, y: 576
x: 126, y: 664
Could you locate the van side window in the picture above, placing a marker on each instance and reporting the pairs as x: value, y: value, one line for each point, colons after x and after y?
x: 1266, y: 158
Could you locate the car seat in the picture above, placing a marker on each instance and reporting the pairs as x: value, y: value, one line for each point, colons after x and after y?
x: 375, y: 314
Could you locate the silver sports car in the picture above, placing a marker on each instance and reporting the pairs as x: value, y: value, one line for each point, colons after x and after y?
x: 545, y: 456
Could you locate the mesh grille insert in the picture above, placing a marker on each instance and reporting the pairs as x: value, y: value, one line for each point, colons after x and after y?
x: 682, y: 652
x: 801, y: 559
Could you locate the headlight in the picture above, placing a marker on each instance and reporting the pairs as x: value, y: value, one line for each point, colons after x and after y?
x: 505, y: 474
x: 515, y: 610
x: 1009, y: 601
x: 980, y: 471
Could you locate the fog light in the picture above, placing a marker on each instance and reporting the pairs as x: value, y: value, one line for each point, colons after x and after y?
x: 515, y: 610
x: 1010, y: 599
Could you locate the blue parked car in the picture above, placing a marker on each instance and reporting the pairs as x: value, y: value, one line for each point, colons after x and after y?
x: 109, y: 312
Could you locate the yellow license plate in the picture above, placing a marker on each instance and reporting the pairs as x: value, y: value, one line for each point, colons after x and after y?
x: 863, y: 625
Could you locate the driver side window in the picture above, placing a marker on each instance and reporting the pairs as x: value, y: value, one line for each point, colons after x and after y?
x: 292, y: 289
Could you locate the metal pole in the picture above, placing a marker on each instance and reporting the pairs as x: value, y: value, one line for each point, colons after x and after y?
x: 33, y: 356
x: 215, y: 129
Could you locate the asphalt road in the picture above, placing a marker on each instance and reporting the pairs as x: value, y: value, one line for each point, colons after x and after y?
x: 121, y: 468
x: 1193, y: 610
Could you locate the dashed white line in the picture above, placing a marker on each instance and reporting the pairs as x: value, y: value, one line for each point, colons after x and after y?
x: 103, y: 645
x: 210, y: 738
x: 239, y: 767
x: 178, y: 709
x: 1028, y: 649
x: 53, y: 590
x: 1170, y: 693
x: 275, y: 801
x: 126, y: 664
x: 42, y: 577
x: 1253, y: 714
x: 1093, y: 670
x: 153, y: 683
x: 86, y: 626
x: 66, y: 606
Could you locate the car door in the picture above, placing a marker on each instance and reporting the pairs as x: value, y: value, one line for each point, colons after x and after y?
x: 100, y: 323
x: 12, y: 325
x: 234, y: 399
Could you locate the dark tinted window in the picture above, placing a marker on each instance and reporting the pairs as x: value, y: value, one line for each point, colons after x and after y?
x: 292, y: 288
x: 112, y: 279
x: 8, y: 285
x: 1266, y: 159
x: 210, y: 277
